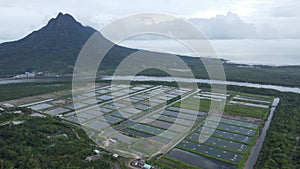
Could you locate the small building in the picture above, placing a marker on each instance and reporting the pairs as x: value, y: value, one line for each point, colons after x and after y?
x: 17, y: 112
x: 97, y: 152
x: 92, y: 158
x: 115, y: 155
x: 7, y: 105
x: 97, y: 155
x: 25, y: 75
x: 60, y: 115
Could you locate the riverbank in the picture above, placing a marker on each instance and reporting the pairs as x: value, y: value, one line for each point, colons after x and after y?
x: 157, y: 79
x: 206, y: 81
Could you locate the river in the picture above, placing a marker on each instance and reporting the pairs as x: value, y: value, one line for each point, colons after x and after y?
x: 206, y: 81
x: 157, y: 79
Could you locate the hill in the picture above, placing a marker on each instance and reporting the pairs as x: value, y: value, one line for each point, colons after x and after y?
x: 53, y: 48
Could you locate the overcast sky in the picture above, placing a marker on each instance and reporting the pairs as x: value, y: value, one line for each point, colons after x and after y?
x: 238, y: 18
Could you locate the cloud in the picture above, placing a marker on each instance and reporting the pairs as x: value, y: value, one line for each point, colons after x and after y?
x: 279, y: 18
x: 231, y: 26
x: 289, y: 9
x: 228, y: 26
x: 19, y: 17
x: 271, y: 19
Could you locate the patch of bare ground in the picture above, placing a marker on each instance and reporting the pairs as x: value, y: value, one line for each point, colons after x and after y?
x: 248, y: 119
x: 30, y: 99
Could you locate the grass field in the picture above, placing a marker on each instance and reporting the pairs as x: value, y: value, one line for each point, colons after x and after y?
x: 246, y: 111
x: 15, y: 91
x: 193, y: 104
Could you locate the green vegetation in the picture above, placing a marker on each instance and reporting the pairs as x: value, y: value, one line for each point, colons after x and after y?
x: 254, y: 102
x: 279, y: 149
x: 263, y: 97
x: 279, y: 75
x: 52, y: 49
x: 247, y: 111
x: 27, y: 145
x: 282, y: 75
x: 195, y: 104
x: 20, y: 90
x: 46, y: 143
x: 239, y: 110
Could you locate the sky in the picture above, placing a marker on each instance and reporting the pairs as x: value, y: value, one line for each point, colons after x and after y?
x: 238, y: 19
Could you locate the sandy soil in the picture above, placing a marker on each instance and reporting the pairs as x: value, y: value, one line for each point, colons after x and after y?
x: 30, y: 99
x: 248, y: 119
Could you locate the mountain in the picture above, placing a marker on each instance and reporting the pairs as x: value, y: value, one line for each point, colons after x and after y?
x: 53, y: 48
